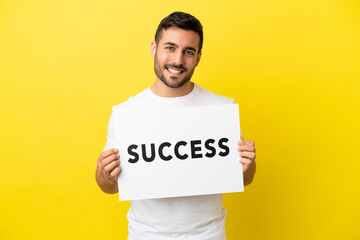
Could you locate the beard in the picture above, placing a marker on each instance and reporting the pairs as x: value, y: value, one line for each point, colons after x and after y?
x: 174, y: 82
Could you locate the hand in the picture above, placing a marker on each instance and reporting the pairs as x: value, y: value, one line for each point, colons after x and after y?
x: 247, y: 153
x: 108, y: 165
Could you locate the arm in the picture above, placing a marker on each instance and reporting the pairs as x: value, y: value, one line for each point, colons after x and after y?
x: 107, y: 170
x: 247, y: 153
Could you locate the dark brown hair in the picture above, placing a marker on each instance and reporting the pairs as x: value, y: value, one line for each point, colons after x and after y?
x: 181, y: 20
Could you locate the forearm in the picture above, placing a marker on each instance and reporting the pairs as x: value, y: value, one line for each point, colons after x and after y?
x: 249, y: 174
x: 104, y: 184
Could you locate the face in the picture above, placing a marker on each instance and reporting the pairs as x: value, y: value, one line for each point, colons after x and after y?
x: 176, y: 56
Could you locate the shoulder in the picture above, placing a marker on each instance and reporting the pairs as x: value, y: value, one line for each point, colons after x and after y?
x: 137, y: 100
x: 213, y: 98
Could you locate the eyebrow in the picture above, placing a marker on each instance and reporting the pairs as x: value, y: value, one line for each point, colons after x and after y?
x: 175, y: 45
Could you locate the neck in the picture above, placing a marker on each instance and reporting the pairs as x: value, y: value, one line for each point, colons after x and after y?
x: 161, y: 90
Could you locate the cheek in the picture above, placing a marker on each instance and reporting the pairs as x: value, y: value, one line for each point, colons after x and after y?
x: 191, y: 63
x: 163, y: 57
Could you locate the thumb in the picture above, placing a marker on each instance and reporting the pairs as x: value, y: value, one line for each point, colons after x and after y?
x: 242, y: 138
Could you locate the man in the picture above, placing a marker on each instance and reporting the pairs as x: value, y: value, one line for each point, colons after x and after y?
x: 176, y: 52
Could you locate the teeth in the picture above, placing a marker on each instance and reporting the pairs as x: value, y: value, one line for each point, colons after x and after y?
x: 174, y: 71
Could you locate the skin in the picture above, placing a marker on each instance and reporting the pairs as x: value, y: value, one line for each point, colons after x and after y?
x: 176, y: 56
x: 247, y: 153
x: 177, y: 50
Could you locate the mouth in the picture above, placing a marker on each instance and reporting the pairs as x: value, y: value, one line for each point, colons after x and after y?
x: 174, y: 71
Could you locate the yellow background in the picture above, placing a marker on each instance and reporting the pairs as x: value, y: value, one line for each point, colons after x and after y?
x: 293, y: 67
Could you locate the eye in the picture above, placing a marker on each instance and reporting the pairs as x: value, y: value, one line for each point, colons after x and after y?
x: 189, y: 52
x: 169, y: 48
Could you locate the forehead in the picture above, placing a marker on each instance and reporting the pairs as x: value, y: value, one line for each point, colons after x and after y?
x: 181, y: 37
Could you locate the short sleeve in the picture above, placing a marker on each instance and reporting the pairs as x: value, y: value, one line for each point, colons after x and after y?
x: 110, y: 139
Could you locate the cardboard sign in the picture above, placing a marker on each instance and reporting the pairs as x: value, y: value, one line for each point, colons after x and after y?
x: 178, y: 152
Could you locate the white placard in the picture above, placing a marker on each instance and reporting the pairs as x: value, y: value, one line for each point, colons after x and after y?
x: 195, y: 151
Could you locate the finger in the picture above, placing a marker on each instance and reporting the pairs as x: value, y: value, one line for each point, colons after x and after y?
x: 251, y: 143
x: 243, y: 142
x: 107, y: 153
x: 245, y: 161
x: 247, y: 148
x: 248, y: 155
x: 242, y: 138
x: 109, y: 159
x: 114, y: 173
x: 111, y: 166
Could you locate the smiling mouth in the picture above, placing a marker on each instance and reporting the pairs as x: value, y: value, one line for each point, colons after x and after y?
x: 174, y: 71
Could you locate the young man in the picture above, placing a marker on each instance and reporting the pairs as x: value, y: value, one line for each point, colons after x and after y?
x: 176, y: 52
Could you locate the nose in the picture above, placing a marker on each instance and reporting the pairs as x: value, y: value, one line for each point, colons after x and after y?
x: 178, y: 58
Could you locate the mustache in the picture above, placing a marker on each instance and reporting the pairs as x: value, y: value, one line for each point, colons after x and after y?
x: 181, y: 67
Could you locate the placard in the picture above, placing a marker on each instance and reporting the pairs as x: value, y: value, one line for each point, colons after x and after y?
x: 178, y: 152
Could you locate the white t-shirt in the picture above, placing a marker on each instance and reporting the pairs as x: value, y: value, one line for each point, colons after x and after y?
x: 191, y: 218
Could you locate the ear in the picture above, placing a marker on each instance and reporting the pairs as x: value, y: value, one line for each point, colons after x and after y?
x: 198, y: 59
x: 153, y: 49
